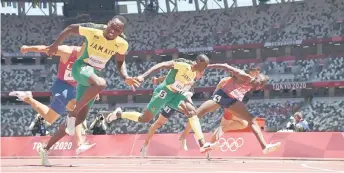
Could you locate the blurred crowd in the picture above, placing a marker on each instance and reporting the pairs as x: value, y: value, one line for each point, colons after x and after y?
x: 324, y: 114
x: 269, y: 23
x: 331, y: 68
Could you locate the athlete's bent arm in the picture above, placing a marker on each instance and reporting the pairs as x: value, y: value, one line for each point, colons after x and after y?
x: 71, y: 29
x: 158, y: 80
x: 156, y: 67
x: 234, y: 71
x: 63, y: 51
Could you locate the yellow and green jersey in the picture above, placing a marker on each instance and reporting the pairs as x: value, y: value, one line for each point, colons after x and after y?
x: 181, y: 77
x: 98, y: 50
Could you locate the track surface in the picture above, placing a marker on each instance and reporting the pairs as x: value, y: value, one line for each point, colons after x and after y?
x: 172, y: 166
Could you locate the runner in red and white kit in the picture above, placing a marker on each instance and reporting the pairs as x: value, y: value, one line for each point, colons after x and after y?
x: 63, y: 90
x: 229, y: 96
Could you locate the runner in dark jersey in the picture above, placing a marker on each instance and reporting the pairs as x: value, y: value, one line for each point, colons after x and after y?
x: 230, y: 97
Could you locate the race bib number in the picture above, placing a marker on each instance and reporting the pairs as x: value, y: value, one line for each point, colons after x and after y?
x: 177, y: 86
x: 167, y: 109
x: 217, y: 98
x: 162, y: 94
x: 68, y: 75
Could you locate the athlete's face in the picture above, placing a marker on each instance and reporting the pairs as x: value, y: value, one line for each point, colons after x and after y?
x: 200, y: 66
x: 114, y: 29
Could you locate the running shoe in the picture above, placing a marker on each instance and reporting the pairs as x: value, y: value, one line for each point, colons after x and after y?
x: 84, y: 147
x: 43, y: 154
x: 70, y: 125
x: 208, y: 147
x: 271, y: 147
x: 143, y: 151
x: 113, y: 116
x: 184, y: 145
x: 21, y: 94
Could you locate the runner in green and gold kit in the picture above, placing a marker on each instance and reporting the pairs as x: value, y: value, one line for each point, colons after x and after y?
x: 181, y: 77
x: 100, y: 46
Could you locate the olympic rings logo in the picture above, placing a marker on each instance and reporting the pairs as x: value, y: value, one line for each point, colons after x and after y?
x: 230, y: 144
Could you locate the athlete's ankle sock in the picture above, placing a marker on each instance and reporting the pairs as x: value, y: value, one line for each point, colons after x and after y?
x: 196, y: 127
x: 133, y: 116
x: 37, y: 106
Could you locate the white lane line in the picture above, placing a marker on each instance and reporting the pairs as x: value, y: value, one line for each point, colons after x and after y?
x: 319, y: 168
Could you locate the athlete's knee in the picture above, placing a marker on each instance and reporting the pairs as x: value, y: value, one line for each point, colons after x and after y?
x: 158, y: 124
x: 71, y: 105
x: 190, y: 110
x: 98, y: 81
x: 146, y: 117
x: 51, y: 116
x: 244, y: 123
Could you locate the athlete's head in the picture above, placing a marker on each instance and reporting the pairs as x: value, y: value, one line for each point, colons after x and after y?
x: 254, y: 71
x: 259, y: 82
x: 201, y: 63
x: 115, y: 27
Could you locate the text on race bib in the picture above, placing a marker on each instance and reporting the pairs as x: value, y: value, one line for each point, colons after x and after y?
x: 68, y: 75
x: 97, y: 61
x: 178, y: 86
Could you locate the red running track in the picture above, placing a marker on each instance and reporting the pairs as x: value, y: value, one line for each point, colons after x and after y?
x: 172, y: 166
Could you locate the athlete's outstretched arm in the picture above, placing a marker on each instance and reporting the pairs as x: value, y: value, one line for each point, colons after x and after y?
x: 156, y: 67
x: 63, y: 51
x: 71, y: 29
x: 234, y: 71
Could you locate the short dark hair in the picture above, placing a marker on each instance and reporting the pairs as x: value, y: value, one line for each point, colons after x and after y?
x: 120, y: 18
x: 202, y: 58
x: 254, y: 69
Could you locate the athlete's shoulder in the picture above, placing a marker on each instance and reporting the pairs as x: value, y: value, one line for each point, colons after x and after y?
x: 120, y: 40
x: 183, y: 60
x: 121, y: 43
x: 93, y: 25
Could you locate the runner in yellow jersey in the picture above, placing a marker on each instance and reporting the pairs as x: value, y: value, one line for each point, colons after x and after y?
x: 180, y: 78
x: 100, y: 46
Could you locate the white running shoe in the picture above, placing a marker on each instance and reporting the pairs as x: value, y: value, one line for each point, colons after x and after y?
x: 271, y: 147
x: 208, y: 147
x: 21, y: 94
x: 113, y: 116
x: 84, y: 147
x: 70, y: 125
x: 143, y: 151
x: 184, y: 145
x: 43, y: 154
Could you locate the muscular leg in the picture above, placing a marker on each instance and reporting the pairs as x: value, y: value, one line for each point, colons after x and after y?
x: 156, y: 125
x: 227, y: 125
x: 97, y: 84
x: 194, y: 122
x: 61, y: 132
x: 206, y: 107
x: 79, y: 134
x: 47, y: 113
x: 239, y: 109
